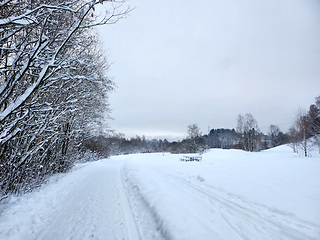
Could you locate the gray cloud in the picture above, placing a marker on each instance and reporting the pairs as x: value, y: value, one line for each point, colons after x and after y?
x: 180, y: 62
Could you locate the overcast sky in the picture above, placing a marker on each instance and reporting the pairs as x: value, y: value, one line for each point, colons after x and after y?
x: 180, y: 62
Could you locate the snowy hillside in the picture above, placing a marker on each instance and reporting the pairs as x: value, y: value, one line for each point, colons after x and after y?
x: 230, y: 194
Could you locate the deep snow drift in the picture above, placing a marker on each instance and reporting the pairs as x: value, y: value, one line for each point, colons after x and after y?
x: 230, y: 194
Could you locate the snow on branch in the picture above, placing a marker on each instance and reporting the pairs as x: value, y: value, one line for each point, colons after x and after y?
x: 40, y: 46
x: 53, y: 87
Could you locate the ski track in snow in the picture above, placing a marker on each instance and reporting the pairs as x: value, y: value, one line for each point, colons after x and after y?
x: 248, y: 220
x: 207, y: 213
x: 96, y: 207
x: 148, y: 197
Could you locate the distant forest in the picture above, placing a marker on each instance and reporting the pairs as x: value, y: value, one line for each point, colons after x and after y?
x: 104, y: 146
x: 303, y: 135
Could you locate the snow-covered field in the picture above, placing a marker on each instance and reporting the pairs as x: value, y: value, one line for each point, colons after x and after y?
x: 230, y: 194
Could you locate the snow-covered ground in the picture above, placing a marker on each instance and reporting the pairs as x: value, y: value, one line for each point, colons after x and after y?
x: 230, y: 194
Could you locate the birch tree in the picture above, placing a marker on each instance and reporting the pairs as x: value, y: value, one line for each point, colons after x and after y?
x: 247, y: 127
x: 301, y: 131
x: 314, y: 114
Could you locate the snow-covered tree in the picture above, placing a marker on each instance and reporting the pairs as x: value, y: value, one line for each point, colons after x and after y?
x: 301, y: 131
x: 314, y: 114
x: 294, y: 138
x: 276, y: 137
x: 53, y: 87
x: 194, y: 143
x: 249, y: 132
x: 193, y: 131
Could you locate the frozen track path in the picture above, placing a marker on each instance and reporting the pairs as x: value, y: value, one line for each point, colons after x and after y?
x: 186, y: 206
x: 158, y: 197
x: 247, y: 220
x: 89, y: 203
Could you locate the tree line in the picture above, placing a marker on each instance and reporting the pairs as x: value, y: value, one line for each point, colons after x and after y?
x: 53, y: 86
x: 303, y: 135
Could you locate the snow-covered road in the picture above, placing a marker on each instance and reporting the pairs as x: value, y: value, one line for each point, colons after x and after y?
x: 229, y: 195
x: 96, y: 208
x: 89, y: 203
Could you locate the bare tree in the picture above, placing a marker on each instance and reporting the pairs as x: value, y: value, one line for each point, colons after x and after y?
x: 193, y: 131
x: 53, y: 88
x: 294, y: 138
x: 248, y: 129
x: 302, y: 130
x: 35, y: 40
x: 275, y: 136
x: 194, y: 143
x: 314, y: 114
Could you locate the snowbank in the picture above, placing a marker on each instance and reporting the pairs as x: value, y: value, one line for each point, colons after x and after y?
x: 231, y: 194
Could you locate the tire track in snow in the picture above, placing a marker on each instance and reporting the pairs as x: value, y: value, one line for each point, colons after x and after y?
x: 175, y: 219
x: 133, y: 232
x: 95, y: 209
x: 246, y: 218
x: 147, y: 219
x: 87, y: 203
